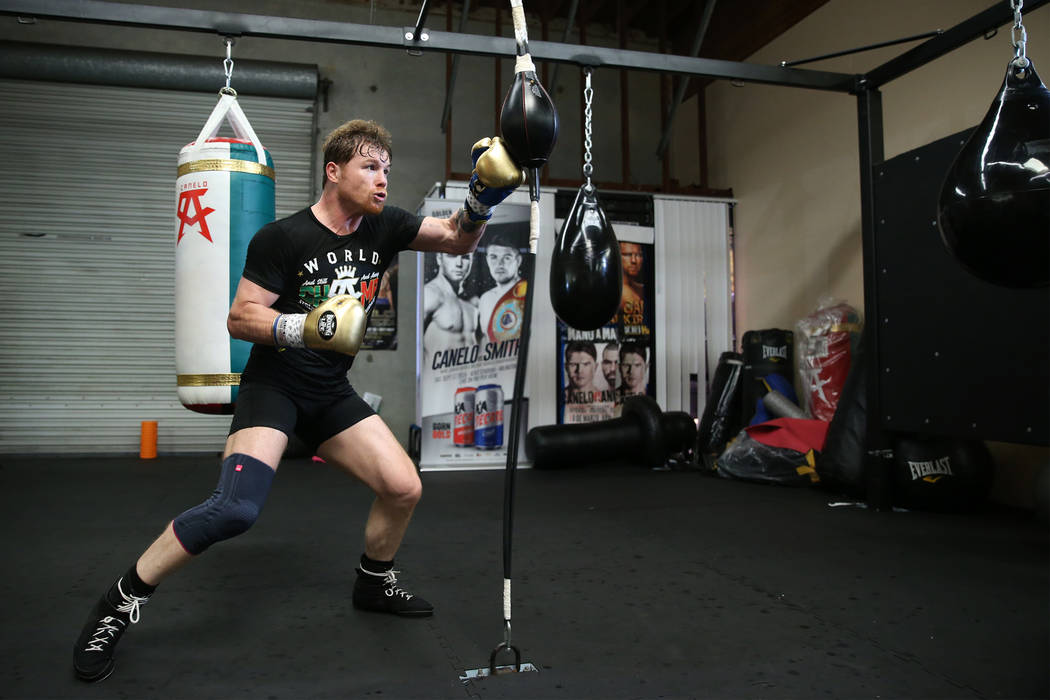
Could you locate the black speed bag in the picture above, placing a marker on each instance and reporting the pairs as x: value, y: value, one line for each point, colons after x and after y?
x: 586, y: 271
x: 528, y: 121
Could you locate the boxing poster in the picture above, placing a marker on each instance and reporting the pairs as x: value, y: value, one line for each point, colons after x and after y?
x: 381, y: 333
x: 599, y: 368
x: 471, y: 310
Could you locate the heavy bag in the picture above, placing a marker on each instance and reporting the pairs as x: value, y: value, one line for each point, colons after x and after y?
x: 721, y: 418
x: 842, y: 463
x: 766, y: 351
x: 224, y: 194
x: 940, y: 474
x: 826, y: 339
x: 580, y: 444
x: 586, y: 279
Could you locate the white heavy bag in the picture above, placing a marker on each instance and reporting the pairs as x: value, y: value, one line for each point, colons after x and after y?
x: 224, y: 194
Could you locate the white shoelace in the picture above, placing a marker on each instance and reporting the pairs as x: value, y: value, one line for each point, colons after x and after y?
x: 98, y: 640
x: 105, y: 632
x: 390, y: 587
x: 131, y: 603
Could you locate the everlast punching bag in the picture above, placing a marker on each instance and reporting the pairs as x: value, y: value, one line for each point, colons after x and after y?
x: 767, y: 351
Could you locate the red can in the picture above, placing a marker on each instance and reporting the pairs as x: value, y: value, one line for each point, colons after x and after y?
x: 463, y: 417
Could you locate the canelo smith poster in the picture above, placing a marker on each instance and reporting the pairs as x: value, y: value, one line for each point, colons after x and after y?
x: 599, y: 368
x: 471, y: 309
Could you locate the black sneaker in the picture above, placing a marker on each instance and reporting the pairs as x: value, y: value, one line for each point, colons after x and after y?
x: 93, y: 653
x: 380, y: 593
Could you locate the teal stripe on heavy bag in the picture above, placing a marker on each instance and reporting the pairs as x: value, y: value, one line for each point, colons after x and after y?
x: 252, y: 206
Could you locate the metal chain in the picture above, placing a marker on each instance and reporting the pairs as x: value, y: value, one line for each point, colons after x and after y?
x: 588, y: 96
x: 227, y: 66
x: 1019, y: 37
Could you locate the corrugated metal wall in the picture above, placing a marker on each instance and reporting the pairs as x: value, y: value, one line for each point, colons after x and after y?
x: 87, y: 212
x: 693, y: 296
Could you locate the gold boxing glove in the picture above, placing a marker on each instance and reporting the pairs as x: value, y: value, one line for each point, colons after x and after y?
x: 337, y: 324
x: 494, y: 165
x: 495, y: 176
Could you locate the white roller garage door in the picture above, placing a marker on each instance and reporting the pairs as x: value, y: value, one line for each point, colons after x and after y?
x: 87, y: 211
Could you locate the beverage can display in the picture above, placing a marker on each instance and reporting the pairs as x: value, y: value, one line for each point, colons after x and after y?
x: 488, y: 417
x: 463, y: 417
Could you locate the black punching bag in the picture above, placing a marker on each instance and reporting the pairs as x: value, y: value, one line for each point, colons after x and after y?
x: 528, y: 121
x: 994, y: 209
x: 586, y: 270
x: 721, y: 418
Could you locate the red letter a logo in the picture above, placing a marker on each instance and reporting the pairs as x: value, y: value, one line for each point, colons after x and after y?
x: 188, y: 199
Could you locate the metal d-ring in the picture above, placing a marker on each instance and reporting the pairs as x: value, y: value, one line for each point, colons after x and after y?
x: 504, y: 647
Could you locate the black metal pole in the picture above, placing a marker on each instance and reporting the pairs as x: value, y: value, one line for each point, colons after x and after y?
x: 679, y: 95
x: 966, y: 31
x: 520, y: 369
x: 242, y: 24
x: 423, y: 10
x: 446, y: 111
x: 569, y: 21
x: 870, y: 138
x: 861, y: 49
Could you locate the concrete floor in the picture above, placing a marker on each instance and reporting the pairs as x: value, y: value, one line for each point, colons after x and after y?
x: 628, y: 583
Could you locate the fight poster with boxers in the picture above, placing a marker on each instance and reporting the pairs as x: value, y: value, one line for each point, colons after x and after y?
x: 471, y: 311
x: 381, y: 333
x: 599, y: 368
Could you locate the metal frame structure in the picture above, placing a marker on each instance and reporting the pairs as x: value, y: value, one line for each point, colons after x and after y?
x: 865, y: 86
x: 240, y: 24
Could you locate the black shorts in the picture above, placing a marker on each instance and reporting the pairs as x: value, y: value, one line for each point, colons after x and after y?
x: 312, y: 418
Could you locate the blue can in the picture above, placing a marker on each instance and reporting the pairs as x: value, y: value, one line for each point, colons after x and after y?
x: 488, y: 417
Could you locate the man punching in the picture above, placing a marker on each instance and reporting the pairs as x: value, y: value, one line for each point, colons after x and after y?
x: 308, y: 285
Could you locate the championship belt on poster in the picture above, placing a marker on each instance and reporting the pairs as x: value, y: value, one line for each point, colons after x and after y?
x: 508, y: 314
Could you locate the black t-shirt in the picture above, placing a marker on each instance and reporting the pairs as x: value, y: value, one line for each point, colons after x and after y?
x: 304, y: 262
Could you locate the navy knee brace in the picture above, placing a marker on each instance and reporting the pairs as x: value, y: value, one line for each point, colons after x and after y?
x: 233, y: 507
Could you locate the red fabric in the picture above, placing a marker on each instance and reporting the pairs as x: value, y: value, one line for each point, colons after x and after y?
x: 829, y: 376
x: 799, y: 434
x: 825, y: 357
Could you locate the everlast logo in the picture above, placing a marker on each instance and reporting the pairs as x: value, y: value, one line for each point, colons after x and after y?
x: 932, y: 470
x: 780, y: 351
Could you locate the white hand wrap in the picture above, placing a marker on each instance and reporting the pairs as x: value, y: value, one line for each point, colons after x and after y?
x: 288, y: 331
x: 475, y: 209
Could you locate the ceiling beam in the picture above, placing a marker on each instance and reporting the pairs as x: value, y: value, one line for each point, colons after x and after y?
x: 240, y: 24
x: 962, y: 33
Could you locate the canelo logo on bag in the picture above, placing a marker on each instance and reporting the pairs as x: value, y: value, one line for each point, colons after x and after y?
x: 188, y: 199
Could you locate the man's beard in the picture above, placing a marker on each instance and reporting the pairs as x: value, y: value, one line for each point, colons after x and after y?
x: 368, y: 205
